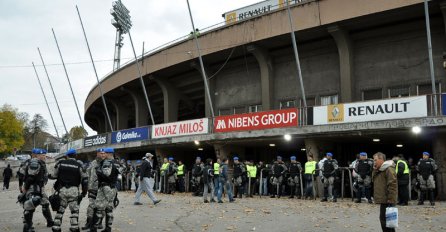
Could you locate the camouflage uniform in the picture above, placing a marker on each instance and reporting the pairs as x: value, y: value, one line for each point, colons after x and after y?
x: 34, y: 187
x: 70, y: 175
x: 92, y: 192
x: 107, y: 173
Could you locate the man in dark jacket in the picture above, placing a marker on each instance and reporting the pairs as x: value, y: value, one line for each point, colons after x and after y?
x: 402, y: 173
x: 146, y: 180
x: 384, y: 186
x: 7, y: 174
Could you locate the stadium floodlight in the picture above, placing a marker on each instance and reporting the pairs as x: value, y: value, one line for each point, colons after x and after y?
x: 121, y: 21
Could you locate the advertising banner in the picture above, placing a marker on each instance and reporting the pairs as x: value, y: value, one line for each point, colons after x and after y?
x: 257, y: 9
x: 189, y: 127
x: 397, y: 108
x: 77, y: 144
x: 96, y: 140
x: 129, y: 135
x: 256, y: 121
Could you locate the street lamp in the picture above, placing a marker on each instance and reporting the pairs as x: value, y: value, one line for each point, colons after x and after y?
x: 416, y: 130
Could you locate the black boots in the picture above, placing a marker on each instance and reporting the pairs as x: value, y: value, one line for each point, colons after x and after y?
x: 88, y: 224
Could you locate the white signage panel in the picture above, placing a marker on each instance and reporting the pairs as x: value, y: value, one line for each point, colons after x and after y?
x: 182, y: 128
x: 397, y: 108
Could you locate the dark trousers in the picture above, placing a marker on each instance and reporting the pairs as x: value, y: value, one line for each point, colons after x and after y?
x: 403, y: 193
x: 181, y: 184
x: 382, y: 218
x: 6, y: 183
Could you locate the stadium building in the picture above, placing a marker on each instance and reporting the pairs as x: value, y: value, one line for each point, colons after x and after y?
x: 365, y: 70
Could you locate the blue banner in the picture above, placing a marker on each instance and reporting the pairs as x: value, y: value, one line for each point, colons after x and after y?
x: 129, y: 135
x: 443, y: 105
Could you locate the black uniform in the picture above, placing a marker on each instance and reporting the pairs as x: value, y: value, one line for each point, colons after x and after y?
x: 197, y: 173
x: 239, y: 179
x: 294, y: 170
x: 364, y: 169
x: 278, y: 172
x: 7, y: 174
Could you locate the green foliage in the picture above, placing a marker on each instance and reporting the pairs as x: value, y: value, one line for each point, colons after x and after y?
x: 11, y: 129
x: 77, y: 132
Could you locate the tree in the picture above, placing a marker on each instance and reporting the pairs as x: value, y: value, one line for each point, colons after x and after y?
x: 11, y: 129
x: 33, y: 132
x: 77, y: 132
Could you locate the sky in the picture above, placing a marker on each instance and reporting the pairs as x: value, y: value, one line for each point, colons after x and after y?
x: 26, y: 25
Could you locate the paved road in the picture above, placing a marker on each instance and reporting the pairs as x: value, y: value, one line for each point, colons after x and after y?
x: 182, y: 212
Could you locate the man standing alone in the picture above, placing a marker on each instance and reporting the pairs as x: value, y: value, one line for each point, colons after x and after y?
x: 7, y: 174
x: 385, y: 186
x: 146, y: 180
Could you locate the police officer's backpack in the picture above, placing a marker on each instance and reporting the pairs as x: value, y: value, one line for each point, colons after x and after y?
x: 34, y: 167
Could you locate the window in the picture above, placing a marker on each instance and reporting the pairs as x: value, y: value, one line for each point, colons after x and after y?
x: 287, y: 104
x: 329, y: 100
x: 255, y: 108
x: 372, y: 94
x: 311, y: 101
x: 399, y: 92
x: 224, y: 112
x: 427, y: 89
x: 239, y: 110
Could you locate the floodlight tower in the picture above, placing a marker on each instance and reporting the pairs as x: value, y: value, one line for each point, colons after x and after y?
x: 121, y: 21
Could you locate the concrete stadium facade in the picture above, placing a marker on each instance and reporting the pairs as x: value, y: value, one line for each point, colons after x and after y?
x: 350, y: 51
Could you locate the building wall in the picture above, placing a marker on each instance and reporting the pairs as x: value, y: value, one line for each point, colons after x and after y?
x: 397, y: 55
x: 320, y: 70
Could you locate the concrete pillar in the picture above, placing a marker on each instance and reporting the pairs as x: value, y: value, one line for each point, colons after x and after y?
x: 345, y: 50
x: 439, y: 155
x: 266, y: 75
x: 141, y: 109
x: 211, y: 85
x: 223, y: 151
x: 120, y: 122
x: 171, y: 99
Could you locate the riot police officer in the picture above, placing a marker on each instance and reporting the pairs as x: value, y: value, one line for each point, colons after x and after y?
x: 69, y: 174
x: 239, y: 175
x: 197, y: 173
x: 363, y: 168
x: 329, y: 168
x: 171, y: 175
x: 107, y: 173
x: 33, y: 194
x: 278, y: 172
x: 426, y: 168
x: 93, y: 188
x: 294, y: 170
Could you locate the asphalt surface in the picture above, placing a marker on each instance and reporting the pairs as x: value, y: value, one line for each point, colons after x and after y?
x: 182, y: 212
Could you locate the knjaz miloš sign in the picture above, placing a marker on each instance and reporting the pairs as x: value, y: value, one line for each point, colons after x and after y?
x: 96, y: 140
x: 189, y: 127
x: 398, y: 108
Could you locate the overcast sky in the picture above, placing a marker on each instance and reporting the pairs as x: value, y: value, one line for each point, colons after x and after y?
x: 26, y: 25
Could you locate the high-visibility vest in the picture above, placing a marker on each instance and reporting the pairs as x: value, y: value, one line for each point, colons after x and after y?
x: 216, y: 168
x: 310, y: 166
x: 180, y: 170
x: 164, y: 167
x: 252, y: 171
x: 406, y: 168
